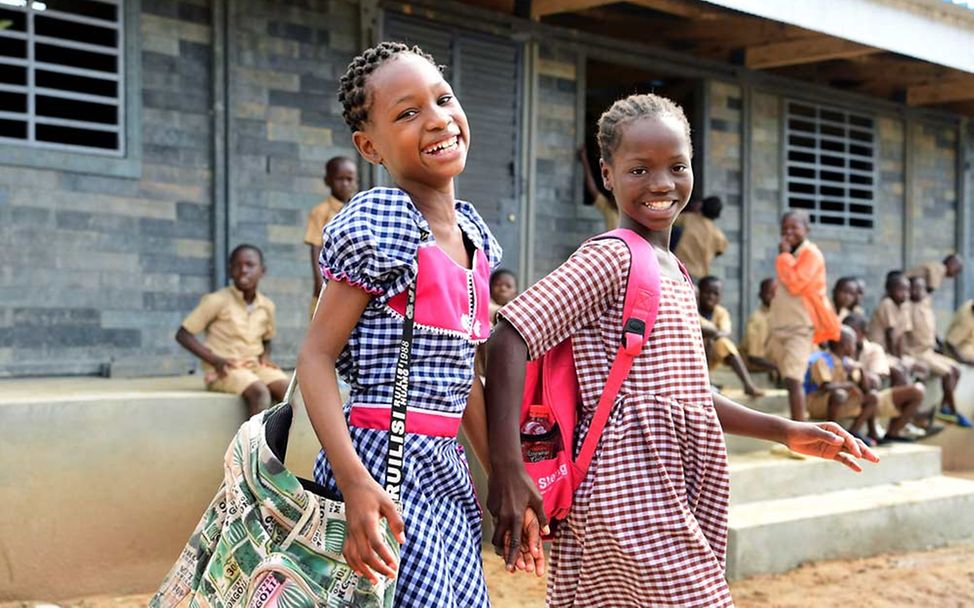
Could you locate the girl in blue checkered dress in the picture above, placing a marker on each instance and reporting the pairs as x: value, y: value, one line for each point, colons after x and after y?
x: 403, y: 115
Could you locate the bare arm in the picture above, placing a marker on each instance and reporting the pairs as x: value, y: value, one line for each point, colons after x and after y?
x: 366, y: 501
x: 190, y: 343
x: 825, y: 440
x: 590, y: 184
x: 315, y: 269
x: 474, y: 423
x: 265, y: 357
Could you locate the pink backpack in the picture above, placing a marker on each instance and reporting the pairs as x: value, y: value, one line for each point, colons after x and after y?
x: 550, y: 381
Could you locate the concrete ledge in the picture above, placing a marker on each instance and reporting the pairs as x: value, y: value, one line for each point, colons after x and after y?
x: 101, y: 487
x: 764, y: 476
x: 777, y: 535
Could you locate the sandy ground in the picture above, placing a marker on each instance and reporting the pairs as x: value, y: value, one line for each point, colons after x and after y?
x: 943, y: 578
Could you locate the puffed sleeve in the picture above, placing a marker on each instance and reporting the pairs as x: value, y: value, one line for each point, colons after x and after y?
x: 371, y: 244
x: 475, y: 223
x: 575, y: 295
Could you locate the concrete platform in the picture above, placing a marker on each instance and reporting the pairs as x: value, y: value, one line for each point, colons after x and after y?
x: 761, y: 476
x: 778, y: 535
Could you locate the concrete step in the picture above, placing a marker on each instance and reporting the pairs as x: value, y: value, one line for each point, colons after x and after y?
x: 760, y: 476
x: 777, y: 535
x: 725, y: 376
x: 774, y: 401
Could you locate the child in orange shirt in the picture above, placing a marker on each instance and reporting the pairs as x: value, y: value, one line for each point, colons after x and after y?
x: 801, y: 313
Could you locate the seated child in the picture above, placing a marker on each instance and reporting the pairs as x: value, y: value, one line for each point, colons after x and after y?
x: 701, y: 240
x: 899, y: 403
x: 503, y: 289
x: 715, y: 323
x: 960, y: 334
x: 921, y: 341
x: 239, y: 325
x: 754, y: 347
x: 892, y: 320
x: 845, y: 297
x: 831, y: 393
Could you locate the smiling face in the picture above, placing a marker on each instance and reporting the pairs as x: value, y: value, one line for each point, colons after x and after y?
x: 649, y: 174
x: 793, y: 230
x: 416, y: 128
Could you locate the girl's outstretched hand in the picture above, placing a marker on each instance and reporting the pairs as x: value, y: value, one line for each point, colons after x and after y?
x: 366, y: 502
x: 512, y: 495
x: 827, y: 440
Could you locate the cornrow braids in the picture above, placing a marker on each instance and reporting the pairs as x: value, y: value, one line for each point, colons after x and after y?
x: 352, y: 92
x: 630, y: 108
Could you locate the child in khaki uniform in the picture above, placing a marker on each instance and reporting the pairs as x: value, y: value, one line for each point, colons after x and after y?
x: 701, y: 240
x: 341, y: 177
x: 898, y: 403
x: 715, y: 324
x: 960, y: 334
x: 934, y: 273
x: 832, y: 394
x: 239, y: 324
x: 801, y: 314
x: 754, y: 347
x: 920, y: 342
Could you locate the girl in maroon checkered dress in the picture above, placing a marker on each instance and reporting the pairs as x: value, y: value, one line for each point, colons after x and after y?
x: 648, y: 526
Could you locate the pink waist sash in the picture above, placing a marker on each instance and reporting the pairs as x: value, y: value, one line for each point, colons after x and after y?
x: 418, y: 421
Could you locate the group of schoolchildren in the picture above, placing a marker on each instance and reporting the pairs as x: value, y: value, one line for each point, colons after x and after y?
x: 869, y: 366
x: 648, y: 525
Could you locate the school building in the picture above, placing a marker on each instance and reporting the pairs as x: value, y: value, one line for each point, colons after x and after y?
x: 140, y: 140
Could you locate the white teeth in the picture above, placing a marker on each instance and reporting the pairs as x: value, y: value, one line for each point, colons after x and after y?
x: 442, y: 146
x: 657, y: 204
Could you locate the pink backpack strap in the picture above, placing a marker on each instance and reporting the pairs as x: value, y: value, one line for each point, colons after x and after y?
x: 638, y: 317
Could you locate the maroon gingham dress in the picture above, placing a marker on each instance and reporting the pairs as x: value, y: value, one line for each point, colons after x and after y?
x: 648, y: 526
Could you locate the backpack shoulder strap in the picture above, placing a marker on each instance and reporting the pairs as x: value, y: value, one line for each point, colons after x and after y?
x: 638, y: 317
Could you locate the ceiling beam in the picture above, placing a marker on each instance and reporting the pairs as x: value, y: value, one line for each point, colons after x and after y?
x: 543, y: 8
x: 681, y: 8
x: 959, y: 89
x: 805, y: 50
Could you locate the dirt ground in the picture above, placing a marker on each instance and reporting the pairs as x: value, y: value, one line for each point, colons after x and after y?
x: 943, y: 578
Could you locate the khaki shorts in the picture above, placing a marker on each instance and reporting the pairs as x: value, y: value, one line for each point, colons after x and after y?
x: 967, y: 352
x: 939, y: 365
x: 790, y: 351
x: 239, y: 378
x: 718, y: 350
x: 885, y: 408
x: 818, y: 406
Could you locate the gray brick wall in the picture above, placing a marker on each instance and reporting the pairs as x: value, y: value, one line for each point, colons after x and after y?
x: 935, y: 210
x: 102, y: 269
x: 722, y: 159
x: 98, y: 268
x: 285, y: 123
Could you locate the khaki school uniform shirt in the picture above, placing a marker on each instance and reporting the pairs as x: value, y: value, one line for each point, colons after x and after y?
x: 933, y: 272
x: 700, y: 242
x: 720, y: 320
x: 609, y: 211
x: 321, y: 214
x: 788, y: 310
x: 960, y: 335
x: 872, y: 359
x: 234, y: 331
x: 923, y: 336
x: 890, y: 316
x: 756, y: 333
x: 822, y: 373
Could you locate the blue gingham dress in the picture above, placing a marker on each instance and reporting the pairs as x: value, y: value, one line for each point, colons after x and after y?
x: 373, y: 244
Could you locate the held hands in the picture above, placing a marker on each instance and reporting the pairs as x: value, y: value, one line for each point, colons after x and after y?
x: 784, y: 246
x: 366, y: 503
x: 265, y: 361
x: 221, y: 366
x: 519, y: 521
x: 827, y: 440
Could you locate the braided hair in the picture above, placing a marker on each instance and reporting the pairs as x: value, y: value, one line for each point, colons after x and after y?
x: 352, y: 88
x: 626, y: 110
